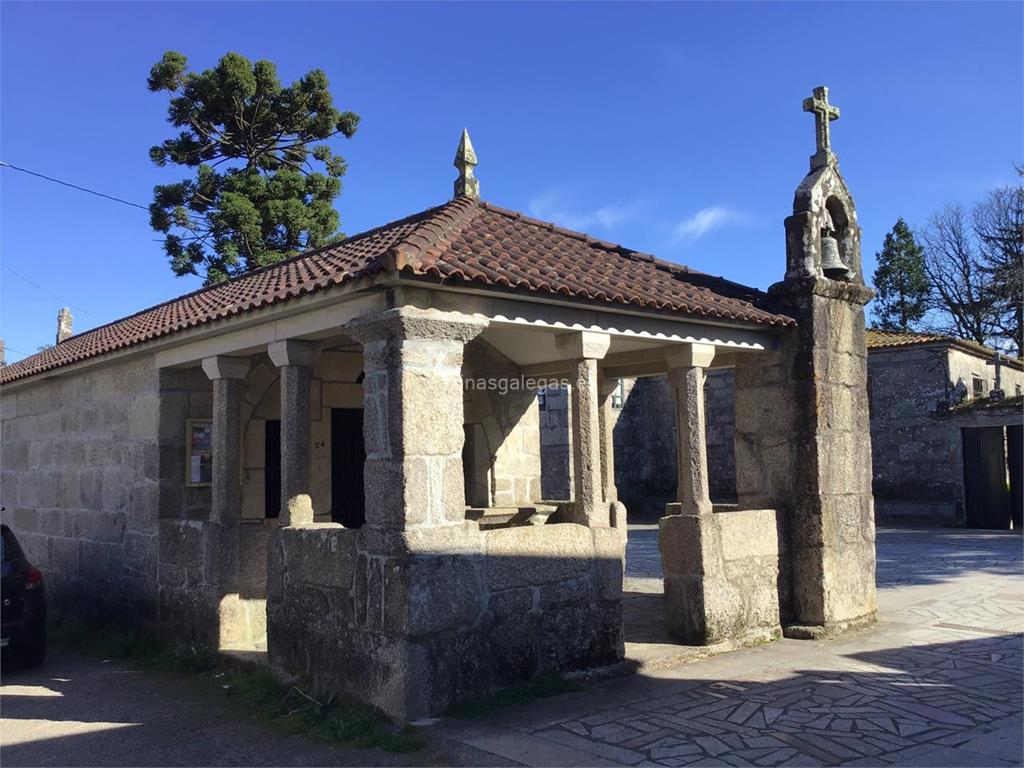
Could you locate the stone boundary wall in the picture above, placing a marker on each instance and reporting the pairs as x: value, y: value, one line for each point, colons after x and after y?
x: 80, y: 481
x: 213, y: 581
x: 417, y: 627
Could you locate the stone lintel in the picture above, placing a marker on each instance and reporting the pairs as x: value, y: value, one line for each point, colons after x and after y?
x: 293, y: 352
x: 414, y: 323
x: 690, y: 355
x: 225, y: 367
x: 579, y: 345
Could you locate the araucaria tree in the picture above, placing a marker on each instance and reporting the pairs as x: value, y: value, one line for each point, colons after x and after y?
x: 264, y: 183
x: 900, y: 281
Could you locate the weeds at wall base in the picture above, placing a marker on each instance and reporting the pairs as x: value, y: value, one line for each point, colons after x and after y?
x: 252, y: 689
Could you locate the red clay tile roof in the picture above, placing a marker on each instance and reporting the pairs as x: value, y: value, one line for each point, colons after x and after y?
x: 462, y: 241
x: 879, y: 339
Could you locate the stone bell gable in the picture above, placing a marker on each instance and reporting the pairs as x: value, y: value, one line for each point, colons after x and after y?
x: 803, y: 442
x: 822, y: 234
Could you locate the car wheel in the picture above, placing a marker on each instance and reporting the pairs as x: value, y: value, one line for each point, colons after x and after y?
x: 33, y: 652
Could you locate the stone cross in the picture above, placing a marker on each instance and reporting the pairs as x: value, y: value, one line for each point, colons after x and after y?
x: 997, y: 392
x: 466, y: 185
x: 824, y: 114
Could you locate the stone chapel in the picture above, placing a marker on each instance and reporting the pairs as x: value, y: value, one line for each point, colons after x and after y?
x: 336, y: 459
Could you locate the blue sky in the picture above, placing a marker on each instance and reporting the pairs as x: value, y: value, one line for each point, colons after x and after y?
x: 671, y: 128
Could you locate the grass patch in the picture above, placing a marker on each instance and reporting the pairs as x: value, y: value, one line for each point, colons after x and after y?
x: 252, y: 689
x: 542, y: 687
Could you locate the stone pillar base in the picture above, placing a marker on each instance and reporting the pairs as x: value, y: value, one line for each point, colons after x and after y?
x: 721, y: 575
x: 827, y: 631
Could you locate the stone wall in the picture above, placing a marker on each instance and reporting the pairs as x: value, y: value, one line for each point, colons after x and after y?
x: 509, y: 434
x: 420, y: 628
x: 917, y: 451
x: 964, y: 367
x: 645, y: 444
x: 80, y: 481
x: 555, y: 442
x: 645, y: 449
x: 184, y: 394
x: 213, y: 581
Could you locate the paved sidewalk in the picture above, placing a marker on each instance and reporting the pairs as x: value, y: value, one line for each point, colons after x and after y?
x: 936, y: 682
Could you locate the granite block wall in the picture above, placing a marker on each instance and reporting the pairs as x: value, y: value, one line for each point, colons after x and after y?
x: 79, y: 477
x: 447, y: 615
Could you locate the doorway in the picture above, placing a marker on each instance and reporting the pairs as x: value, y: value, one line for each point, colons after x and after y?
x: 348, y: 453
x: 986, y: 491
x: 272, y: 468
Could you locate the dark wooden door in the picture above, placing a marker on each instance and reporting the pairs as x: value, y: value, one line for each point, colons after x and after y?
x: 272, y: 468
x: 1015, y: 462
x: 348, y: 453
x: 987, y: 498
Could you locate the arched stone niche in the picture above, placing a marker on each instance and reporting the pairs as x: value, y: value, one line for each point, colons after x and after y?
x: 823, y: 205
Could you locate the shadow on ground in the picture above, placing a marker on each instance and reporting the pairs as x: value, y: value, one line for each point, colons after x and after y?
x: 82, y: 711
x: 956, y: 703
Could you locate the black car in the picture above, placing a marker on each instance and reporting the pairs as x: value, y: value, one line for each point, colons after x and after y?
x: 22, y: 602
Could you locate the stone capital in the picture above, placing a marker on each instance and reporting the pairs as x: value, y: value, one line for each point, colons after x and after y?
x: 605, y: 387
x: 690, y: 356
x: 414, y: 323
x: 580, y: 345
x: 224, y: 367
x: 293, y: 352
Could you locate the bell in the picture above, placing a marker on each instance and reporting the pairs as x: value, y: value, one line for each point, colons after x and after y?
x: 831, y: 264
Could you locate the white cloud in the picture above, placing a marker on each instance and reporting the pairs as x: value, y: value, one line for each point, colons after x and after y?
x: 705, y: 220
x: 554, y: 207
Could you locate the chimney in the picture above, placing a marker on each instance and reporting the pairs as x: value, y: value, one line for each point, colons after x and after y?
x: 64, y: 324
x: 3, y: 354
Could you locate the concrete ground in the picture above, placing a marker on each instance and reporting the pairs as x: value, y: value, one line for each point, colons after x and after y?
x: 82, y: 711
x: 936, y: 682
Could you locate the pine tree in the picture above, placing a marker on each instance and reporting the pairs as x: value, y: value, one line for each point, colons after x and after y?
x: 900, y: 280
x: 256, y: 195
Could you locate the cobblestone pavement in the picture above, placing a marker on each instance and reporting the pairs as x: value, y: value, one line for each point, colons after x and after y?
x: 936, y: 682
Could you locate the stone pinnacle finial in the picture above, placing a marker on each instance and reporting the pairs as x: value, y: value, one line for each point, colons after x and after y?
x: 467, y: 185
x: 64, y: 319
x: 824, y: 113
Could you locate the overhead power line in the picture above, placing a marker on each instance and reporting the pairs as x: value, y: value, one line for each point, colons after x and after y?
x: 5, y: 164
x: 73, y: 186
x: 65, y: 302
